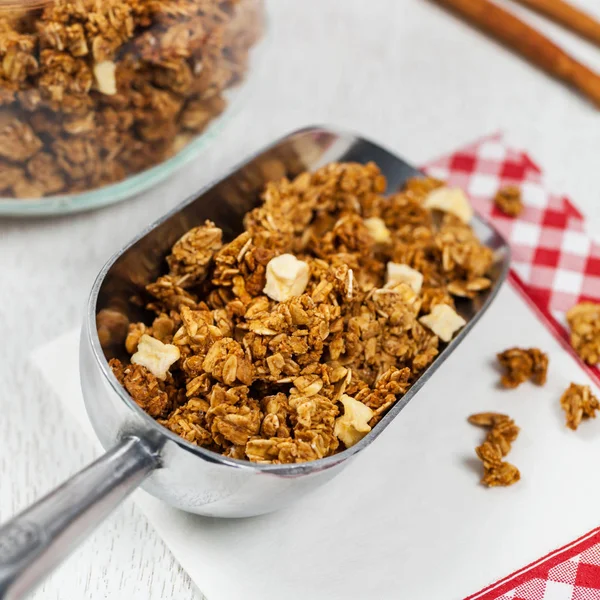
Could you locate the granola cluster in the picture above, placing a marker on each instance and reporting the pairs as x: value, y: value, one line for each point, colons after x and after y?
x: 290, y: 342
x: 509, y: 201
x: 92, y: 91
x: 584, y: 321
x: 579, y: 403
x: 502, y: 431
x: 520, y: 365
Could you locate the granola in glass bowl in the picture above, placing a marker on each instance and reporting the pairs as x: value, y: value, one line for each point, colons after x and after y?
x: 100, y: 99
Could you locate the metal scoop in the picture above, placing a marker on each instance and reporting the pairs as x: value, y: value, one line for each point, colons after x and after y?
x: 142, y: 452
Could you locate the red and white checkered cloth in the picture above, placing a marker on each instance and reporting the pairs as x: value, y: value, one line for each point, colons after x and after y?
x: 570, y: 573
x: 555, y: 265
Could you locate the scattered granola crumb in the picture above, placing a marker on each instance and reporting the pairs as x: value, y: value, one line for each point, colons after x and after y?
x: 584, y: 320
x: 488, y: 419
x: 502, y: 431
x: 496, y: 474
x: 579, y: 403
x: 540, y: 366
x: 522, y: 364
x: 509, y: 201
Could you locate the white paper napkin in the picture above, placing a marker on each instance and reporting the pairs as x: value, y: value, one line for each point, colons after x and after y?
x: 408, y: 518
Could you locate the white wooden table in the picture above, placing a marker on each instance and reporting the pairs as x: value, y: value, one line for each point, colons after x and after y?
x: 400, y: 71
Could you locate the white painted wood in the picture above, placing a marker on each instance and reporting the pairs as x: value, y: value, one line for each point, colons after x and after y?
x: 401, y: 71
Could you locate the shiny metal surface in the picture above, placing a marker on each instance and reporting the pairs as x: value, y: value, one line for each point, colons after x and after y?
x: 186, y: 476
x: 216, y: 485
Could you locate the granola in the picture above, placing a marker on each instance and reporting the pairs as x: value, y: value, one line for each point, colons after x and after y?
x: 96, y: 91
x: 502, y: 431
x: 584, y: 321
x: 520, y: 365
x: 509, y: 201
x: 579, y: 403
x: 290, y: 342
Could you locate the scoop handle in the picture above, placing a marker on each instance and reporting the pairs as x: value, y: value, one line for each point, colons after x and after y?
x: 35, y: 541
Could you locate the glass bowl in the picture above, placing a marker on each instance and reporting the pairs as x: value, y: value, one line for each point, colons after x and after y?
x: 135, y: 183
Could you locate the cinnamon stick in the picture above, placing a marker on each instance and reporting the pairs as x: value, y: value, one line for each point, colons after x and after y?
x: 529, y: 43
x: 568, y: 16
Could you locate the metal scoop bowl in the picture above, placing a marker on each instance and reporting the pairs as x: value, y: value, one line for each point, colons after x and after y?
x: 142, y: 452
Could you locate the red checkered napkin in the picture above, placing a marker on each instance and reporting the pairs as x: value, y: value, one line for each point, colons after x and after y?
x: 570, y: 573
x: 555, y: 265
